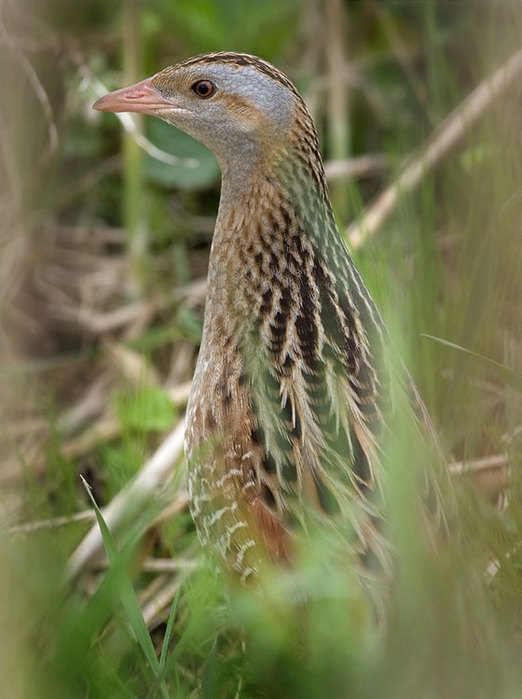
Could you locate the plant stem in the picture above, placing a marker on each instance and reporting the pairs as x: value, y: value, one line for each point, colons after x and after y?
x: 338, y: 97
x: 133, y: 209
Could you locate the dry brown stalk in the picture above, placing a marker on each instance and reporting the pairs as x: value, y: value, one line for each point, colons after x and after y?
x: 442, y: 141
x: 131, y: 499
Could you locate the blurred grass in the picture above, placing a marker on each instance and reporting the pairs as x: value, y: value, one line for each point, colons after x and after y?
x: 91, y: 375
x: 134, y: 201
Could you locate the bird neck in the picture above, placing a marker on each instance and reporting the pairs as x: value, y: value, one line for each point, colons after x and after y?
x: 266, y: 213
x: 254, y: 194
x: 274, y: 220
x: 255, y: 187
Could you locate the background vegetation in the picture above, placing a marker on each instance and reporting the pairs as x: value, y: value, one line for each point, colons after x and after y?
x: 102, y: 266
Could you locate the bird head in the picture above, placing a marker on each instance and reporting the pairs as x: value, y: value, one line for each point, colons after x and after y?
x: 238, y: 105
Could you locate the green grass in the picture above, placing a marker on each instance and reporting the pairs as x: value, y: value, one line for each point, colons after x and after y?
x: 447, y: 265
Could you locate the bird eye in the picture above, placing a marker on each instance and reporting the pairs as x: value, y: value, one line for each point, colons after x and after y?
x: 203, y: 88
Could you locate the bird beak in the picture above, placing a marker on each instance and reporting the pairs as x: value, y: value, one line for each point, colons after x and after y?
x: 141, y: 98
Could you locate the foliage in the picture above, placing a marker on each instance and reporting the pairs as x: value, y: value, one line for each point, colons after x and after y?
x: 100, y: 333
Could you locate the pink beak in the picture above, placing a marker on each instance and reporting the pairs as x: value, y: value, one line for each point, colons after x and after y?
x: 140, y: 97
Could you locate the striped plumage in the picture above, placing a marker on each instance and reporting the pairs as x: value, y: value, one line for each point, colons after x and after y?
x: 292, y: 389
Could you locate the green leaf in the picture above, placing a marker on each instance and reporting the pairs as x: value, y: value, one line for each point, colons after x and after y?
x: 148, y: 409
x: 173, y: 141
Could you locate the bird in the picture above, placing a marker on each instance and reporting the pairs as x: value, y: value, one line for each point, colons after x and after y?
x: 294, y: 387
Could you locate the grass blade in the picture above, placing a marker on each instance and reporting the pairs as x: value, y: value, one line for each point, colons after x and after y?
x: 118, y: 561
x: 508, y: 375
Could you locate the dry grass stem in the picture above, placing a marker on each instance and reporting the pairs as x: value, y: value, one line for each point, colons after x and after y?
x: 445, y: 139
x: 131, y: 365
x: 362, y: 166
x: 156, y: 609
x: 54, y: 523
x: 179, y: 395
x: 97, y: 89
x: 491, y: 476
x: 169, y: 565
x: 154, y: 474
x: 495, y: 461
